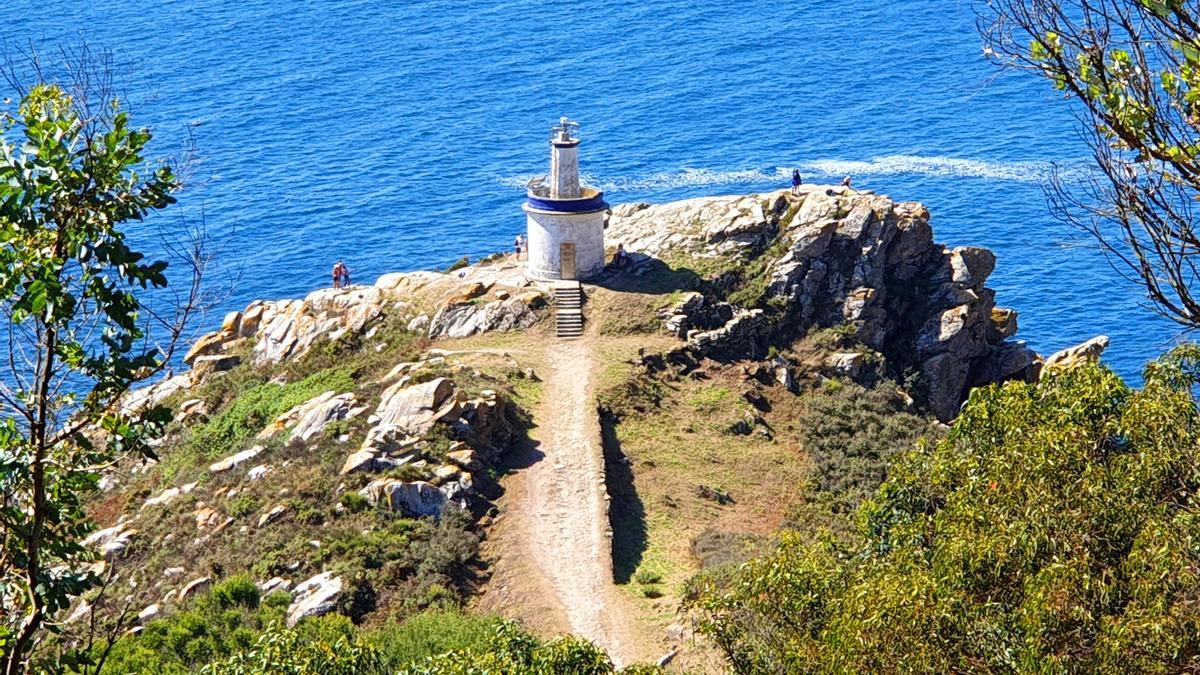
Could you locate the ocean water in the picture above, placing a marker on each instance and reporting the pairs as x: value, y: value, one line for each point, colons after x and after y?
x: 398, y: 135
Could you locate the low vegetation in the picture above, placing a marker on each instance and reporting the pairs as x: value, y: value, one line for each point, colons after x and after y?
x: 231, y: 631
x: 1052, y: 530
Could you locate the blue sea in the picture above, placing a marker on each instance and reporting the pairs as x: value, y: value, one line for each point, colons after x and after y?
x: 397, y: 135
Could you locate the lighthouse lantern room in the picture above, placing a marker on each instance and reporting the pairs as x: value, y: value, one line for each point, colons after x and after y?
x: 565, y: 219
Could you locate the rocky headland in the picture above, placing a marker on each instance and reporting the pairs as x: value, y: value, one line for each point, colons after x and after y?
x: 349, y: 451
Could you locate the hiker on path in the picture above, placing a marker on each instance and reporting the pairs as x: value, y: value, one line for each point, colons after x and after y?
x: 518, y: 244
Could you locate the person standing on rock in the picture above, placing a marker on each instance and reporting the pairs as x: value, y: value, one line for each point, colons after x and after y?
x: 796, y: 181
x: 517, y: 246
x: 345, y: 275
x: 337, y: 274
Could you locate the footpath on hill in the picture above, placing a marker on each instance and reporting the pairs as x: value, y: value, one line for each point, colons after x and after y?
x: 555, y: 566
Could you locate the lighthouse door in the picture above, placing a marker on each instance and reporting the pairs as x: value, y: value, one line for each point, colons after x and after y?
x: 567, y: 254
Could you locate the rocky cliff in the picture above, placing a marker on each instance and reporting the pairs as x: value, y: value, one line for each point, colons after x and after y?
x: 774, y: 267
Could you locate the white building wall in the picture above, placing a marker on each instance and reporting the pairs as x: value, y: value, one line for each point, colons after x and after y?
x: 547, y: 231
x: 564, y: 171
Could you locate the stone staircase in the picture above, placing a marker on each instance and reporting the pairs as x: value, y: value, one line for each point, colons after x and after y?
x: 568, y: 309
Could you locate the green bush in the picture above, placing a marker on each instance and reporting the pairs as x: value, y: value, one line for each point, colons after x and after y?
x: 354, y: 502
x: 236, y: 591
x: 243, y: 505
x: 228, y: 618
x: 510, y: 649
x: 850, y: 435
x: 647, y: 577
x: 1054, y: 529
x: 429, y: 634
x: 285, y: 651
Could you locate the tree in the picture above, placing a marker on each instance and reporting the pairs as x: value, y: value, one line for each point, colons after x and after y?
x: 86, y: 318
x: 1134, y: 68
x: 1055, y: 529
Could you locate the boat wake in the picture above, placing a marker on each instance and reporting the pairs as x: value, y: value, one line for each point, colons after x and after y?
x: 830, y: 170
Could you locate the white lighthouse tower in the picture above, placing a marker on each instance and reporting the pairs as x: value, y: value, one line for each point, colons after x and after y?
x: 565, y: 220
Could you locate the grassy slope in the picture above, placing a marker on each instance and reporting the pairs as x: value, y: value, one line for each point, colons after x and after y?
x: 689, y: 493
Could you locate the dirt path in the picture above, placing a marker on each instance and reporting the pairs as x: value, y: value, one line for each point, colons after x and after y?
x: 555, y: 559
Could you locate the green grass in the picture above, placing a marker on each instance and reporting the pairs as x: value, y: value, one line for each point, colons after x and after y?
x: 260, y: 404
x: 710, y: 399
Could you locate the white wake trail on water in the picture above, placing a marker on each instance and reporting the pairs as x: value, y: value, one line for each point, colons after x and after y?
x: 951, y: 167
x: 832, y: 170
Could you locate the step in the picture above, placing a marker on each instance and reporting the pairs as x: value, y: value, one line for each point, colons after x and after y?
x: 568, y: 310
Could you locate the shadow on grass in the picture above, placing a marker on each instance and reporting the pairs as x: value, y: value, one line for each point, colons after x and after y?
x: 645, y: 274
x: 626, y: 514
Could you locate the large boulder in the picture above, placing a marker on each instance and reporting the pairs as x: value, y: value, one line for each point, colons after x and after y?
x: 154, y: 394
x: 310, y: 418
x: 1076, y: 355
x: 112, y: 541
x: 208, y: 344
x: 412, y: 498
x: 316, y: 596
x: 415, y: 408
x: 465, y: 316
x: 235, y: 459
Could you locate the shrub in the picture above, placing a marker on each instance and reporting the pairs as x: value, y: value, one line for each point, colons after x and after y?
x: 228, y: 629
x: 713, y: 547
x: 462, y: 262
x: 243, y: 505
x: 510, y: 649
x: 429, y: 634
x: 354, y: 502
x: 850, y: 434
x: 1053, y: 530
x: 285, y: 651
x: 647, y: 577
x: 236, y: 591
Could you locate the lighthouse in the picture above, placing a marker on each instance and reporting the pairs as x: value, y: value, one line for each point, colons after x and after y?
x: 565, y: 219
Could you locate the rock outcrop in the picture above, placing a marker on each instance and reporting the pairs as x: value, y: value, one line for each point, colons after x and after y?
x: 412, y: 498
x: 288, y: 329
x: 834, y: 257
x: 1073, y: 356
x: 314, y: 597
x: 462, y: 318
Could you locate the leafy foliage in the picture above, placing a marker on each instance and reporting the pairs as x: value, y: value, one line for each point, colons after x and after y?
x: 1133, y: 69
x: 1054, y: 530
x: 282, y: 651
x: 851, y: 435
x: 73, y: 294
x: 512, y: 650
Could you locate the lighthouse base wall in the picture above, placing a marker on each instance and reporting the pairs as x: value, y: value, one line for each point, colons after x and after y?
x: 547, y: 232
